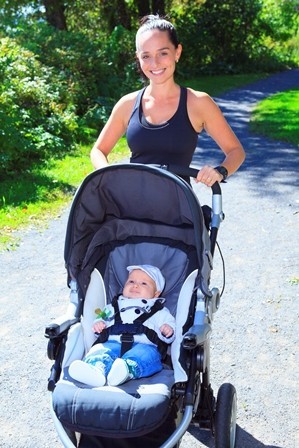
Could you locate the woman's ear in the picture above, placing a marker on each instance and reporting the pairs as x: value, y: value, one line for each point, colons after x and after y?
x: 178, y: 52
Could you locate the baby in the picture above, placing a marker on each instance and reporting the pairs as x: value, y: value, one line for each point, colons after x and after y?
x: 105, y: 362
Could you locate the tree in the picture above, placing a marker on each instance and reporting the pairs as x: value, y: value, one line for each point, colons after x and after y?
x: 113, y: 13
x: 150, y: 7
x: 55, y: 13
x: 231, y: 28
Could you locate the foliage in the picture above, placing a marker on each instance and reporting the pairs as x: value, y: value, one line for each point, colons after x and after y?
x: 272, y: 118
x: 77, y: 59
x: 88, y: 66
x: 280, y: 22
x: 234, y: 37
x: 36, y: 123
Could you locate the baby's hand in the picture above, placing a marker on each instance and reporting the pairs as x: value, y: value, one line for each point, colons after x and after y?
x: 98, y: 327
x: 166, y: 330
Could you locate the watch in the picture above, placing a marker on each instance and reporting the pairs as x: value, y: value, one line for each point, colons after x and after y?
x: 223, y: 171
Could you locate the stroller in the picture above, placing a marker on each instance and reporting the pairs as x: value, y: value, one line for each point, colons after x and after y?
x: 128, y: 214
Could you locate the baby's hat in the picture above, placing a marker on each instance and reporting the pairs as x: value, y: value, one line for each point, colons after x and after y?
x: 153, y: 272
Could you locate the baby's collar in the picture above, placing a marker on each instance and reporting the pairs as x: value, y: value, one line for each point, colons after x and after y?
x: 153, y: 300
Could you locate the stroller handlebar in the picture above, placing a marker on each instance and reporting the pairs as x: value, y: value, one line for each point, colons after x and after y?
x: 217, y: 212
x: 189, y: 172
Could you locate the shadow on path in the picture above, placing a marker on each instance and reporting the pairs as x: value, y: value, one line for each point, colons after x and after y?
x: 243, y: 439
x: 266, y: 159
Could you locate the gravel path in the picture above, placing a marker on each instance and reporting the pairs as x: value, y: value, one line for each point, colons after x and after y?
x: 255, y: 331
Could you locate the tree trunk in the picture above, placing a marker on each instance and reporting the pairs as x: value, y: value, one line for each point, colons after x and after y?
x: 123, y: 14
x: 146, y: 7
x: 116, y: 13
x: 143, y: 7
x: 158, y: 7
x: 55, y: 13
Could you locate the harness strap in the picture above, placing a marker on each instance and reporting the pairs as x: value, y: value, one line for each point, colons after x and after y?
x: 127, y: 331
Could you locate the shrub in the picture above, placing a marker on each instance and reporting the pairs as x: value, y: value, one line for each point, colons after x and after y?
x: 94, y: 68
x: 36, y: 123
x: 236, y: 36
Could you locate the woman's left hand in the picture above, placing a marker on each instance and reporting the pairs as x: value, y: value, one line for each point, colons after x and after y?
x: 208, y: 176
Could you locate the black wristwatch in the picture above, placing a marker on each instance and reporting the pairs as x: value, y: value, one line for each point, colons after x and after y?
x: 223, y: 171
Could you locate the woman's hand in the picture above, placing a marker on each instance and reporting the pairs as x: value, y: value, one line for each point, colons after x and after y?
x: 98, y: 327
x: 208, y: 176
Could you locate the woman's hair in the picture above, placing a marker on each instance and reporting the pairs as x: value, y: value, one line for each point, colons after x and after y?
x: 155, y: 22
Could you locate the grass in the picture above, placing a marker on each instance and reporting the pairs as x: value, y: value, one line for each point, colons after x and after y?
x: 35, y: 197
x: 294, y: 281
x: 278, y: 117
x: 215, y: 85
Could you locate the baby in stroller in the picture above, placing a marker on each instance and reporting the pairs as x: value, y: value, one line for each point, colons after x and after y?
x: 126, y: 349
x: 162, y: 224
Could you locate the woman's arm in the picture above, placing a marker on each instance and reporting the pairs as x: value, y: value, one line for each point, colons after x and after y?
x: 205, y: 114
x: 113, y: 130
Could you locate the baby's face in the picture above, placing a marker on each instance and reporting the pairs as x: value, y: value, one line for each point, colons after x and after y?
x: 139, y: 284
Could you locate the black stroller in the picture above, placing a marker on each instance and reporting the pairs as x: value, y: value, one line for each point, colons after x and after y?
x: 140, y: 214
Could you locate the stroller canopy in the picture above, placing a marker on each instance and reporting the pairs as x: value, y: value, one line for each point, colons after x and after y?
x: 130, y: 203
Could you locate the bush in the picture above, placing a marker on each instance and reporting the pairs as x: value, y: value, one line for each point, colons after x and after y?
x: 236, y: 37
x: 36, y: 123
x: 95, y: 70
x: 75, y: 59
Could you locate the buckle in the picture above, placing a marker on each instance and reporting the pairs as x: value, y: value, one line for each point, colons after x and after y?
x: 127, y: 337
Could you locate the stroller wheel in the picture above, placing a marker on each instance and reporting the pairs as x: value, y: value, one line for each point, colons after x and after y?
x: 225, y: 417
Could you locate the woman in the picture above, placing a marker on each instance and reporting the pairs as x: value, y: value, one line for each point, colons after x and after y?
x: 163, y: 120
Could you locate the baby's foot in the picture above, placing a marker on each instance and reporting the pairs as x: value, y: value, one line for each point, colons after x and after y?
x: 119, y: 373
x: 87, y: 374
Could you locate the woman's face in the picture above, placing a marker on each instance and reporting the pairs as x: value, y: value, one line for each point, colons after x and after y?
x: 157, y: 55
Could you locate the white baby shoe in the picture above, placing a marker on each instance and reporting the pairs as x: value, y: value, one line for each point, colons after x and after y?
x: 119, y: 373
x: 87, y: 374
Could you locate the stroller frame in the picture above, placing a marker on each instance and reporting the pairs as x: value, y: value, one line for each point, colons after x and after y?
x: 195, y: 397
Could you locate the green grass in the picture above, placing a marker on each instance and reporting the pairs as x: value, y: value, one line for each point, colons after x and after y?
x: 294, y: 281
x: 215, y: 85
x: 278, y: 117
x: 34, y: 197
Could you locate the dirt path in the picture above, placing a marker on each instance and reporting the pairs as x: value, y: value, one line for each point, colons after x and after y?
x: 255, y: 331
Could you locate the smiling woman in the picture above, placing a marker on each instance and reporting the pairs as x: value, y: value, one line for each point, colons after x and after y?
x: 163, y: 120
x: 172, y: 38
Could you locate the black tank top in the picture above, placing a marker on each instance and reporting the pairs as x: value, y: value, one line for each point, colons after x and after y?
x: 172, y: 142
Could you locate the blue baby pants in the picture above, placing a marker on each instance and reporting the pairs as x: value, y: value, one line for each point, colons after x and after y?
x: 142, y: 359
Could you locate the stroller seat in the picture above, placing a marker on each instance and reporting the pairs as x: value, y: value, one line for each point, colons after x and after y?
x: 138, y: 406
x: 135, y: 408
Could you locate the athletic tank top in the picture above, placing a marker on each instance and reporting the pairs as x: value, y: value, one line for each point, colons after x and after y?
x: 172, y: 142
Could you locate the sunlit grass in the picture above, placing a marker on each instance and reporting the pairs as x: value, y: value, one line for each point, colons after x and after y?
x: 294, y: 281
x: 32, y: 199
x: 278, y: 117
x: 215, y: 85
